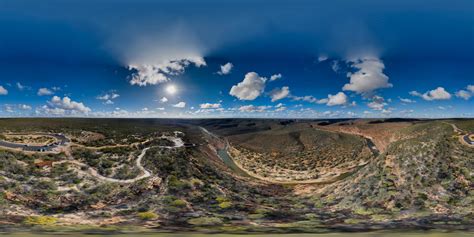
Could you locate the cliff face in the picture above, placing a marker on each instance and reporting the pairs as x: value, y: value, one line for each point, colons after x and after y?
x: 428, y: 170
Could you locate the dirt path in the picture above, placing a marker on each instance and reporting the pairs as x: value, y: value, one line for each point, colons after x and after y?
x: 464, y: 139
x: 178, y: 142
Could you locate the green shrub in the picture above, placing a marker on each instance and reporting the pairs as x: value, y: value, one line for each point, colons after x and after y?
x: 40, y: 220
x: 352, y: 221
x: 205, y: 221
x: 147, y: 215
x: 221, y: 199
x: 178, y: 203
x: 225, y: 205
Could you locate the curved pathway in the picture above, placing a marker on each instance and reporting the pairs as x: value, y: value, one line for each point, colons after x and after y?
x: 465, y: 139
x: 178, y: 142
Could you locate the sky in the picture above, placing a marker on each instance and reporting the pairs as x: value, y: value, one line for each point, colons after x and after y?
x: 247, y: 58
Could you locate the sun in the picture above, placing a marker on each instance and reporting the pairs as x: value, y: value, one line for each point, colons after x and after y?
x: 171, y: 89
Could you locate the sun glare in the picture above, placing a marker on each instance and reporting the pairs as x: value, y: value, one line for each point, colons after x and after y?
x: 171, y: 89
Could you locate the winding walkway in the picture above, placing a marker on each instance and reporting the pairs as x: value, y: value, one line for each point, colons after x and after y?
x: 465, y: 139
x: 178, y: 142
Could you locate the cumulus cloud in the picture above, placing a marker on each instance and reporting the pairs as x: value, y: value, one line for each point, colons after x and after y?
x: 406, y: 100
x: 164, y: 100
x: 279, y: 93
x: 44, y: 91
x: 437, y: 94
x: 21, y: 86
x: 466, y: 94
x: 280, y: 109
x: 377, y: 103
x: 180, y: 105
x: 64, y: 106
x: 153, y: 74
x: 463, y: 94
x: 253, y: 108
x: 108, y: 97
x: 309, y: 98
x: 225, y: 69
x: 368, y: 77
x: 470, y: 88
x: 322, y: 58
x: 276, y: 77
x: 210, y: 106
x: 12, y: 108
x: 24, y: 107
x: 337, y: 99
x: 250, y: 88
x: 3, y: 91
x: 335, y: 66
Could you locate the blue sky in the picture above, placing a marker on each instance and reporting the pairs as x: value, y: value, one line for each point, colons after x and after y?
x: 302, y: 59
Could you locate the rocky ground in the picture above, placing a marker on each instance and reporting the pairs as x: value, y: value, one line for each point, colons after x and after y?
x: 142, y: 174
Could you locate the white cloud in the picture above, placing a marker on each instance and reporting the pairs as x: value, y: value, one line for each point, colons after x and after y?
x: 351, y: 114
x: 337, y: 99
x: 415, y: 93
x: 470, y: 88
x: 64, y: 106
x: 152, y: 74
x: 44, y: 91
x: 180, y: 105
x: 108, y: 96
x: 225, y: 69
x: 377, y: 103
x: 309, y: 98
x: 253, y: 108
x: 3, y: 91
x: 437, y: 94
x: 278, y: 94
x: 335, y: 66
x: 21, y: 87
x: 406, y: 100
x: 369, y: 76
x: 164, y: 100
x: 407, y: 112
x: 24, y: 107
x: 276, y: 77
x: 322, y: 58
x: 12, y: 108
x: 466, y: 94
x: 280, y: 109
x: 250, y: 88
x: 9, y: 108
x: 210, y: 106
x: 463, y: 94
